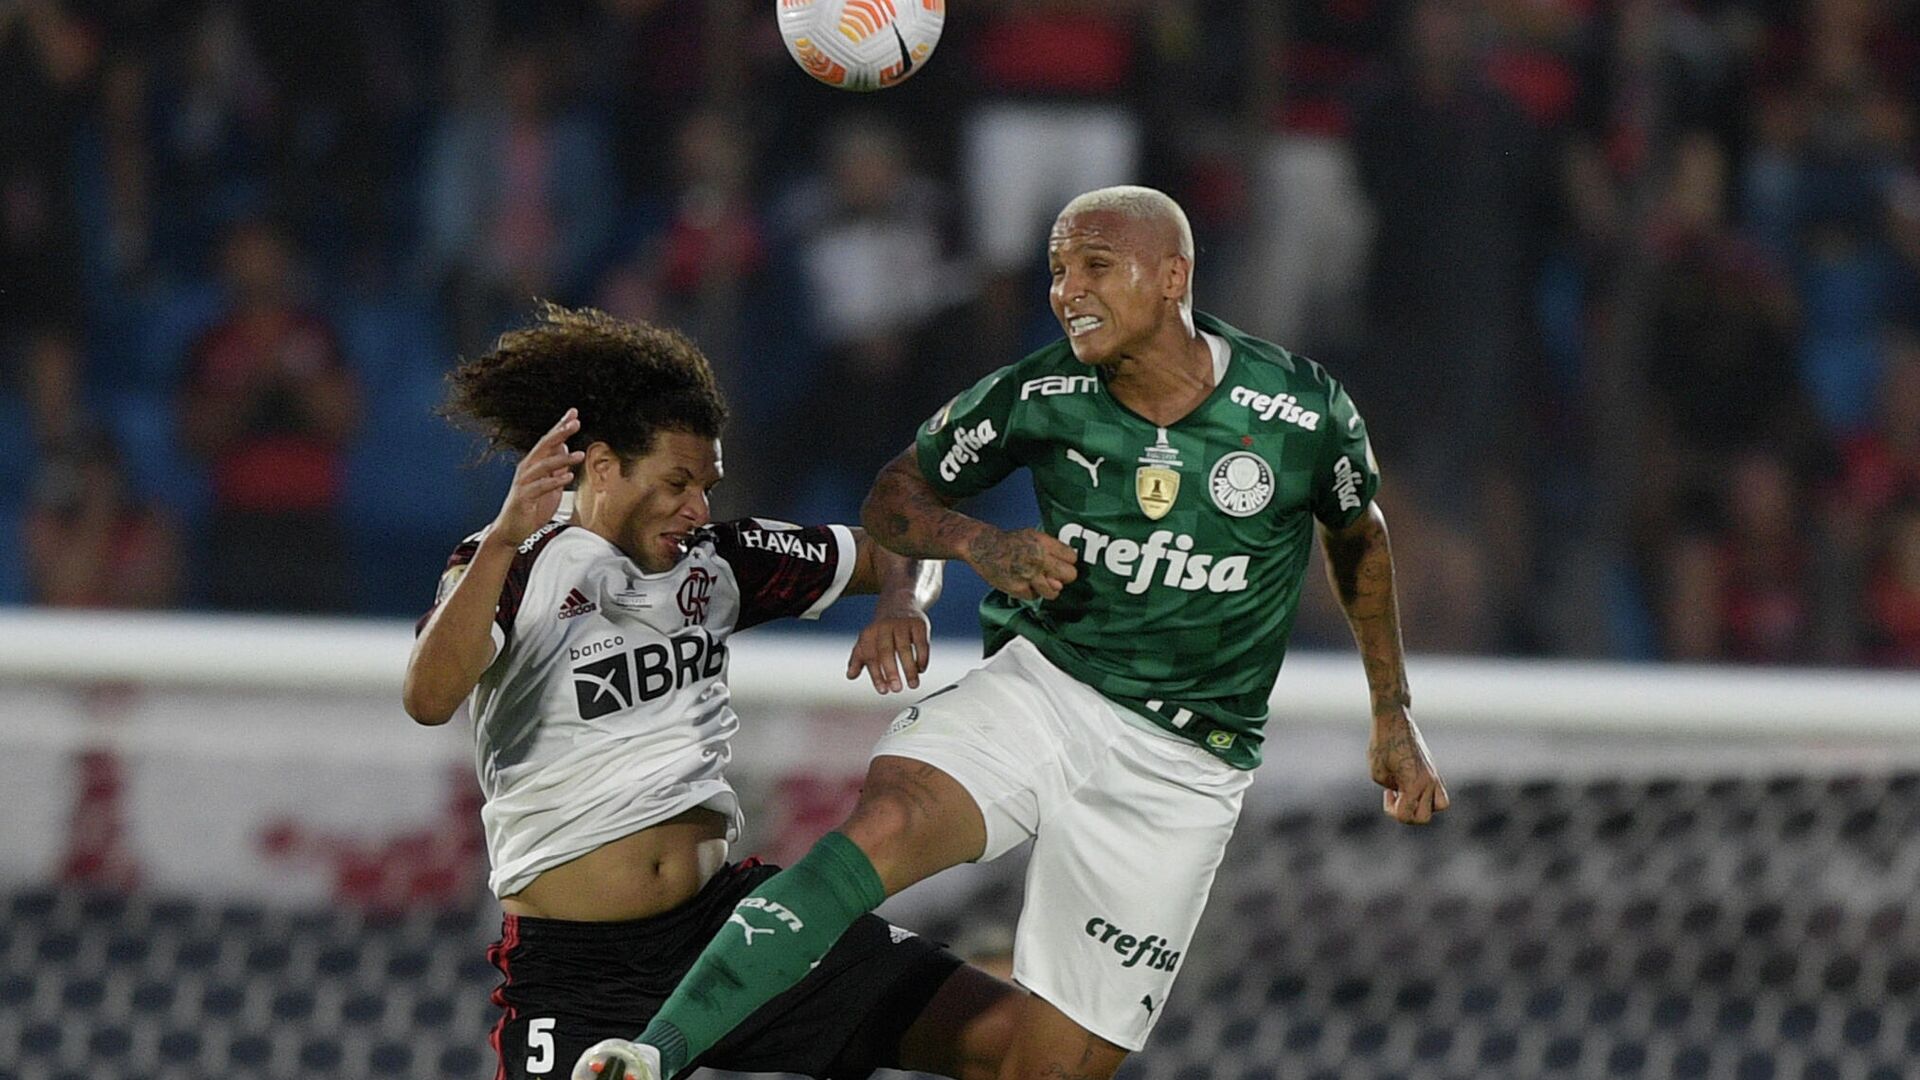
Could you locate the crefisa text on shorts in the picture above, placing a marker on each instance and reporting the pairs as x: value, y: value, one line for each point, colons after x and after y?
x: 1152, y: 948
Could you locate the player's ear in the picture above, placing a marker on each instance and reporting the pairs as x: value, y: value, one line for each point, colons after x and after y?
x: 602, y: 463
x: 1178, y: 277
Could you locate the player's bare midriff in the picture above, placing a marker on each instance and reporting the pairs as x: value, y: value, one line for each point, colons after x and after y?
x: 647, y: 873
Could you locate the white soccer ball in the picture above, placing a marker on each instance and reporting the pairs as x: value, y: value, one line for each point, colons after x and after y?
x: 861, y: 44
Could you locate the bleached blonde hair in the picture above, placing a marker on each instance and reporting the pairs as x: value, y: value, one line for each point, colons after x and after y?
x: 1145, y: 204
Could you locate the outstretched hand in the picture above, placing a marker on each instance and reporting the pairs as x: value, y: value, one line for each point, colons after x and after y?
x: 1398, y: 758
x: 543, y: 474
x: 892, y: 648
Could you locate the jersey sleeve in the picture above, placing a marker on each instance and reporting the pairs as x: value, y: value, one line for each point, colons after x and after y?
x: 966, y: 447
x: 784, y: 571
x: 1346, y: 476
x: 512, y: 591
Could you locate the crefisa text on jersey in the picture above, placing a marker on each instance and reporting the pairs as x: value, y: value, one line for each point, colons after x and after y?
x: 1346, y: 482
x: 967, y: 443
x: 1284, y: 407
x: 1187, y: 570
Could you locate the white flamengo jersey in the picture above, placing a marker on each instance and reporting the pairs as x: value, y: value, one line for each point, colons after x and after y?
x: 605, y: 709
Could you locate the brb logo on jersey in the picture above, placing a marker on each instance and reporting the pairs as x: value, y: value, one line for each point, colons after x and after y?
x: 614, y: 680
x: 606, y: 685
x: 696, y: 593
x: 967, y: 443
x: 1186, y: 570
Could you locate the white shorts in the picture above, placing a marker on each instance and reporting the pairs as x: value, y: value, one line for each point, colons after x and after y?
x: 1128, y: 827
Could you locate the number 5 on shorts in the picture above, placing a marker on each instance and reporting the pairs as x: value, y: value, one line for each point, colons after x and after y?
x: 540, y: 1045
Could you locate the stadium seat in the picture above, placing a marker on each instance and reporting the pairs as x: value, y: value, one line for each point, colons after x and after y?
x: 168, y: 320
x: 411, y: 494
x: 158, y: 468
x: 391, y: 339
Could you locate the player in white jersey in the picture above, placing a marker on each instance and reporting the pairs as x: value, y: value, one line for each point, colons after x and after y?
x: 586, y: 628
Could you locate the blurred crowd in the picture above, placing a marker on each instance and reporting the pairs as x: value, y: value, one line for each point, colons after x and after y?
x: 1629, y: 290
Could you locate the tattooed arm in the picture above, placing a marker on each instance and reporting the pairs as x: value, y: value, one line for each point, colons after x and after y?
x: 908, y: 516
x: 1360, y: 567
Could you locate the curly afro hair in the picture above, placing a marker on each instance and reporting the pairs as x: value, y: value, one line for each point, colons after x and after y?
x: 630, y: 381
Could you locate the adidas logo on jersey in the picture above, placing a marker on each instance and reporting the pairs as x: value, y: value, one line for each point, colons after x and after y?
x: 1186, y: 569
x: 577, y: 603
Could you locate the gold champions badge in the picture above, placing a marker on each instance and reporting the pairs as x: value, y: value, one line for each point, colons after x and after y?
x: 1156, y: 483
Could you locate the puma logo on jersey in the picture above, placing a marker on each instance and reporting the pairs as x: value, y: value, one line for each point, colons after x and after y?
x: 577, y: 603
x: 750, y: 930
x: 1092, y: 467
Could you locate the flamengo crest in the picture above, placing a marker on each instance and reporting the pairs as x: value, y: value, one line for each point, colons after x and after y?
x: 695, y: 594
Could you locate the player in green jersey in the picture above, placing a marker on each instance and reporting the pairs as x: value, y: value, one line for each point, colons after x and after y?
x: 1134, y: 638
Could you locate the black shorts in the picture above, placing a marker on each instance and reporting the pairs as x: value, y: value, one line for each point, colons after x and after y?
x: 567, y: 985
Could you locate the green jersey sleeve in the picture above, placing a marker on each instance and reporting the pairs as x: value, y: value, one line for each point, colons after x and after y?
x: 1346, y: 476
x: 967, y: 447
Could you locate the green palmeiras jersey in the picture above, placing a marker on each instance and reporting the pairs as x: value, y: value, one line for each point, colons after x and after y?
x: 1192, y: 538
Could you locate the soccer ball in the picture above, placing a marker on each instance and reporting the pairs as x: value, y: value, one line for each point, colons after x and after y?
x: 861, y: 44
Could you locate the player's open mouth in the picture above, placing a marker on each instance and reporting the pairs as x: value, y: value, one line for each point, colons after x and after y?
x: 1083, y: 324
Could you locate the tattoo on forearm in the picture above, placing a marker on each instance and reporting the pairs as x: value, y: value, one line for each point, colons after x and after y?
x: 1011, y: 555
x: 907, y: 515
x: 1360, y: 567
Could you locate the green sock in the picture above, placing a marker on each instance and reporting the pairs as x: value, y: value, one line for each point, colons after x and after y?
x: 770, y: 942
